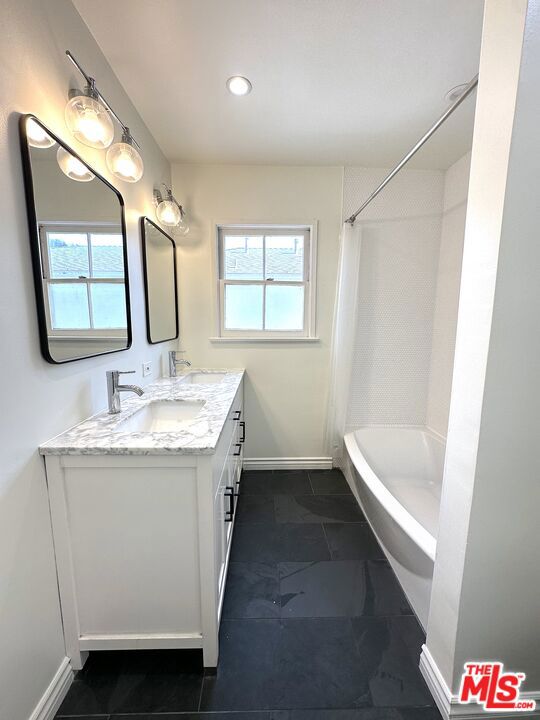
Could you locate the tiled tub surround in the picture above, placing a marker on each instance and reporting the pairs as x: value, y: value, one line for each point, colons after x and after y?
x: 314, y: 627
x: 143, y: 521
x: 100, y: 434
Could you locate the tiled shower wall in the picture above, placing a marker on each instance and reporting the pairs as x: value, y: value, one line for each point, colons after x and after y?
x: 399, y: 292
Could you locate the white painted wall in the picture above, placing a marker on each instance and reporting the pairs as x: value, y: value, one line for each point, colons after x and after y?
x: 456, y: 181
x: 401, y: 232
x: 40, y: 400
x: 486, y: 584
x: 287, y: 383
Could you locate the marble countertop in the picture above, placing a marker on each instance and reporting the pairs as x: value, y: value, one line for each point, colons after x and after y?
x: 101, y: 434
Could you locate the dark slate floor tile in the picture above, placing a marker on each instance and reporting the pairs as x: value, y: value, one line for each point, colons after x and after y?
x: 246, y: 664
x: 255, y: 475
x: 274, y: 543
x: 340, y: 588
x: 329, y: 482
x: 352, y: 541
x: 317, y: 508
x: 270, y: 715
x: 387, y: 661
x: 83, y: 717
x: 255, y: 509
x: 252, y: 591
x: 413, y: 636
x: 418, y: 713
x: 318, y: 666
x: 427, y: 713
x: 282, y: 482
x: 286, y: 664
x: 136, y: 681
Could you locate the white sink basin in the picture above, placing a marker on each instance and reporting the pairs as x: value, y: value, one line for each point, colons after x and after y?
x: 208, y: 378
x: 162, y: 416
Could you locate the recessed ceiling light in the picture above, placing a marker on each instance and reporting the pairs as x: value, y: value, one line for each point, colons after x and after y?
x: 238, y: 85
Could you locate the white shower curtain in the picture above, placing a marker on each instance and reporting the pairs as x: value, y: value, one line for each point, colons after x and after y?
x: 343, y: 338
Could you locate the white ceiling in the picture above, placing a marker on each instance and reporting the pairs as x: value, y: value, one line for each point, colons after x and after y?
x: 335, y: 82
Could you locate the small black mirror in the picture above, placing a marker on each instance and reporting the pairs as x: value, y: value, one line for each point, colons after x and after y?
x: 159, y: 260
x: 79, y: 250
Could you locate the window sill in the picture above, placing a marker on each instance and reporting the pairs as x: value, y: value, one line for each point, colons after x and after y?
x: 249, y: 340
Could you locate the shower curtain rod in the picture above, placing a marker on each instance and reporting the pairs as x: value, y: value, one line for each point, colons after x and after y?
x: 466, y: 92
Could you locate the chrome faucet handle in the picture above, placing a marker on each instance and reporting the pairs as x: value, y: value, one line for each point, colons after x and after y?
x: 114, y: 388
x: 174, y: 361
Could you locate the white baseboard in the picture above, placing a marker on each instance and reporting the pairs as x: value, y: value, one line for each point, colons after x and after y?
x: 52, y: 697
x: 298, y: 463
x: 448, y: 704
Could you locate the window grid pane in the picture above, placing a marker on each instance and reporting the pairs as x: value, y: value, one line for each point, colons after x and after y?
x: 107, y: 255
x: 243, y: 257
x: 284, y: 257
x: 68, y: 255
x: 69, y: 306
x: 284, y: 307
x: 108, y: 306
x: 243, y: 307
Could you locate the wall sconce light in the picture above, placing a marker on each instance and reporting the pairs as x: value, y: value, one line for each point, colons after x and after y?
x: 169, y: 211
x: 89, y: 118
x: 124, y: 161
x: 73, y: 167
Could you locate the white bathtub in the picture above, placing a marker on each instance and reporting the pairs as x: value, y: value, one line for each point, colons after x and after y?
x: 396, y: 475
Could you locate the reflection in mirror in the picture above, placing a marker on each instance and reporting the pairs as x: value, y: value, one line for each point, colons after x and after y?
x: 78, y: 244
x: 159, y: 254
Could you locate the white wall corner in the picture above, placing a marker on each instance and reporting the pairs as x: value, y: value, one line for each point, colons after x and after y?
x: 448, y: 703
x: 57, y: 690
x: 288, y: 463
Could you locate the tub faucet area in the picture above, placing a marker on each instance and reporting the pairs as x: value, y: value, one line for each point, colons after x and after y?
x: 114, y: 389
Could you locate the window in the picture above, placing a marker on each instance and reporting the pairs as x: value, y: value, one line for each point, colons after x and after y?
x: 266, y: 281
x: 83, y: 272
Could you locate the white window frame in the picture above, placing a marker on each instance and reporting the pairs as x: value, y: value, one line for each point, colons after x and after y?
x: 87, y: 229
x: 309, y: 230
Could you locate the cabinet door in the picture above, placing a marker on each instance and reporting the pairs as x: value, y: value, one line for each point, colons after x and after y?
x: 219, y: 540
x: 230, y: 495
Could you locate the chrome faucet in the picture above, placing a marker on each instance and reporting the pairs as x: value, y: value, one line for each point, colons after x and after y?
x: 114, y: 389
x: 174, y: 362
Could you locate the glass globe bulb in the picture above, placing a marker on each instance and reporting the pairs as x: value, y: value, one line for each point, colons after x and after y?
x: 168, y: 213
x: 89, y: 122
x: 182, y: 228
x: 37, y: 136
x: 124, y: 162
x: 73, y: 167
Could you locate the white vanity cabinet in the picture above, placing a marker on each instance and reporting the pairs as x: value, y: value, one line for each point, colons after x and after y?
x: 142, y: 543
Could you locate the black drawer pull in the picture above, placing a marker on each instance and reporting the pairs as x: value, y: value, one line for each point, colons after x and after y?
x: 243, y: 426
x: 238, y: 450
x: 238, y: 414
x: 229, y: 493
